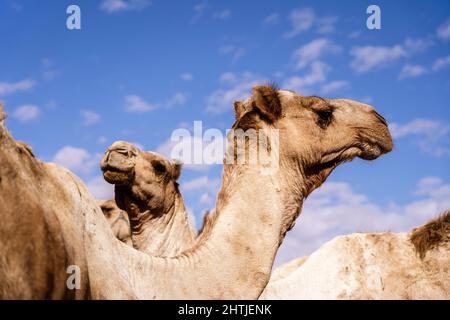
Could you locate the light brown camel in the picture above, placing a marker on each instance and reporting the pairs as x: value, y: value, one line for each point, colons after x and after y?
x: 234, y: 256
x: 163, y: 229
x: 386, y: 265
x: 117, y: 219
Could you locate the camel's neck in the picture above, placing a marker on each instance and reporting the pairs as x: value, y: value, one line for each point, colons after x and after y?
x: 165, y: 234
x: 235, y: 256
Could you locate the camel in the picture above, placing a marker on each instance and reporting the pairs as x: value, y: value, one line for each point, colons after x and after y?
x: 234, y: 256
x: 117, y: 219
x: 163, y: 229
x: 414, y: 265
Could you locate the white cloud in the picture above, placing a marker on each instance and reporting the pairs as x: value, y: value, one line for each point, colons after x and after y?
x: 186, y: 76
x: 417, y: 45
x: 326, y: 25
x: 334, y: 86
x: 201, y: 183
x: 301, y: 20
x: 272, y: 19
x: 102, y: 140
x: 371, y: 57
x: 177, y: 99
x: 90, y: 117
x: 235, y: 52
x: 11, y: 87
x: 336, y: 209
x: 26, y: 113
x: 441, y: 63
x: 443, y: 31
x: 114, y: 6
x: 135, y: 104
x: 237, y: 87
x: 205, y: 199
x: 412, y: 71
x: 430, y: 135
x: 100, y: 189
x: 316, y: 75
x: 222, y: 14
x: 76, y: 159
x: 199, y: 10
x: 313, y: 51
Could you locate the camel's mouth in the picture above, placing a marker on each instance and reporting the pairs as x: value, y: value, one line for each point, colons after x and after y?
x: 117, y: 168
x: 115, y: 176
x: 118, y: 164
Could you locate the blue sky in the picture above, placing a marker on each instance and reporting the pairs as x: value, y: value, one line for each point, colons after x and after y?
x: 139, y: 69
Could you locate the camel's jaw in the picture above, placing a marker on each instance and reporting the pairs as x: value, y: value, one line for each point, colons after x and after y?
x: 116, y: 177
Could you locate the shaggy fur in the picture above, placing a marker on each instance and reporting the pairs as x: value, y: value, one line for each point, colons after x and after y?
x: 432, y: 234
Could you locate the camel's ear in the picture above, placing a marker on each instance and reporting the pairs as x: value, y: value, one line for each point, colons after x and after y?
x: 267, y: 101
x: 239, y: 109
x: 176, y: 169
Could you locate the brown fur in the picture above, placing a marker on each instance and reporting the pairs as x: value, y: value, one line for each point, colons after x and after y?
x: 431, y: 235
x: 268, y: 101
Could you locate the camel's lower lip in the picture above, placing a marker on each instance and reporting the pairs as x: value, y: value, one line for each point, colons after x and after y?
x: 115, y: 176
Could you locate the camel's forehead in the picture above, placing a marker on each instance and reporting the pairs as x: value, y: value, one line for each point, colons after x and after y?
x: 151, y: 155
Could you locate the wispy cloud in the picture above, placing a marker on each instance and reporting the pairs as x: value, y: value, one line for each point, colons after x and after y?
x: 313, y: 51
x: 186, y: 76
x: 99, y: 188
x: 201, y: 183
x: 367, y: 58
x: 431, y: 136
x: 441, y: 63
x: 337, y: 209
x: 178, y: 99
x: 301, y: 20
x: 199, y: 10
x: 303, y: 84
x: 443, y: 32
x: 76, y: 159
x: 235, y: 87
x: 412, y: 71
x: 90, y: 117
x: 417, y: 45
x: 235, y: 52
x: 222, y: 14
x: 272, y: 19
x: 334, y: 86
x: 26, y: 113
x: 326, y: 25
x: 114, y: 6
x: 12, y: 87
x: 135, y: 104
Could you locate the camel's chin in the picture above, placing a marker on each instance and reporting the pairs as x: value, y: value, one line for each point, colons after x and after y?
x: 115, y: 177
x: 371, y: 152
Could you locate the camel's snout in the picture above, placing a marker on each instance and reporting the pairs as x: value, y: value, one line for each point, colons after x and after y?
x: 371, y: 128
x: 118, y: 162
x: 376, y: 138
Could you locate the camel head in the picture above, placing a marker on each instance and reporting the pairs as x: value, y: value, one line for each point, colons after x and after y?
x: 144, y: 181
x: 315, y: 134
x: 117, y: 219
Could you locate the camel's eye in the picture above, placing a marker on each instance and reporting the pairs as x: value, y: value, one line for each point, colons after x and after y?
x: 159, y: 167
x: 324, y: 117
